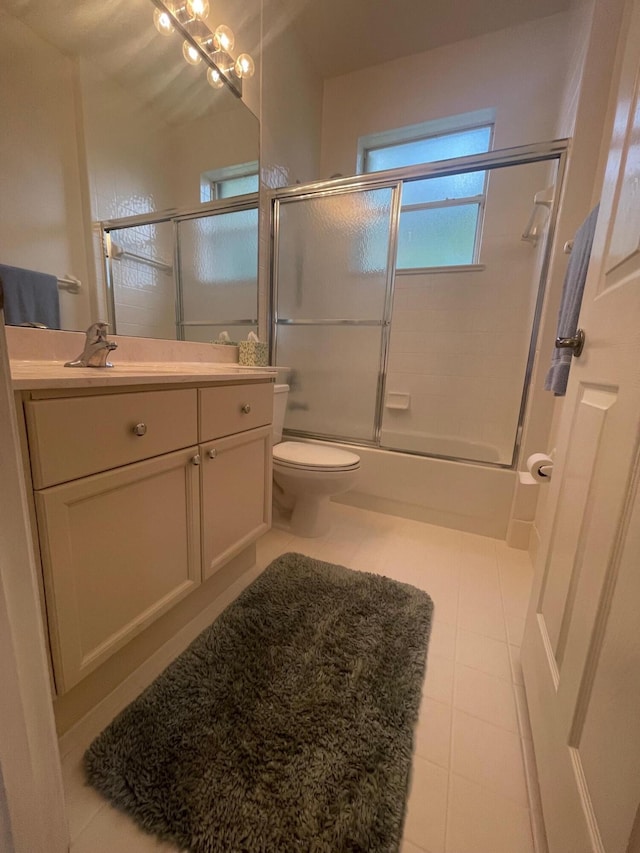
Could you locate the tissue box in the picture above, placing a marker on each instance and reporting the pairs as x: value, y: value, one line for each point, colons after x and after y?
x: 253, y: 354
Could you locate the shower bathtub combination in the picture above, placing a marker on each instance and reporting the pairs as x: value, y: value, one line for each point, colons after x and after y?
x: 405, y: 307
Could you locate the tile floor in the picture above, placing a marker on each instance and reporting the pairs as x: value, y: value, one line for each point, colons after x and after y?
x: 469, y: 792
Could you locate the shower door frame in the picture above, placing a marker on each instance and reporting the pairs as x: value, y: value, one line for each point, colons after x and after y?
x: 250, y: 201
x: 556, y: 149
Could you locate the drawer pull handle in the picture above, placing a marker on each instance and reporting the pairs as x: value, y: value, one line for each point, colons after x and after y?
x: 246, y: 409
x: 140, y: 429
x: 213, y: 453
x: 195, y: 460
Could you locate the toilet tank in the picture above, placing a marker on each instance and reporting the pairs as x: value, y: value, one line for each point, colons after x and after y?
x: 280, y: 394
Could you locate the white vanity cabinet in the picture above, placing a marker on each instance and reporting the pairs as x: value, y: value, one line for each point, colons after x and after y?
x: 139, y: 498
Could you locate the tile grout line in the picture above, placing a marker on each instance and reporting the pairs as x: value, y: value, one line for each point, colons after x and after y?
x: 72, y: 841
x: 453, y: 699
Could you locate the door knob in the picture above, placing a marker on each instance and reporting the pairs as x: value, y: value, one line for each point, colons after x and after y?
x: 140, y: 429
x: 246, y: 409
x: 195, y: 460
x: 212, y: 453
x: 575, y: 343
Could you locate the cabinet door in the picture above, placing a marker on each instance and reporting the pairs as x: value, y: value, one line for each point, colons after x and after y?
x: 119, y: 549
x: 236, y: 495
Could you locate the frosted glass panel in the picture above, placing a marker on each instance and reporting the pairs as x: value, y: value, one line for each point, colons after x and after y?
x: 333, y: 253
x: 437, y: 237
x: 143, y: 281
x: 219, y: 267
x: 332, y: 256
x: 333, y: 380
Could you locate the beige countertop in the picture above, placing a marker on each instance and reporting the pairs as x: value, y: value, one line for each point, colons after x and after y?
x: 37, y: 374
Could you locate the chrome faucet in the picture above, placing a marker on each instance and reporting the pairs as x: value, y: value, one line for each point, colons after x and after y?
x: 96, y: 348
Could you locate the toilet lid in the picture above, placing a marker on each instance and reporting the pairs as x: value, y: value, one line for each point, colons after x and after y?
x: 296, y: 454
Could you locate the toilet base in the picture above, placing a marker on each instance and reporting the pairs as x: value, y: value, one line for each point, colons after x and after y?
x: 305, y: 496
x: 310, y: 517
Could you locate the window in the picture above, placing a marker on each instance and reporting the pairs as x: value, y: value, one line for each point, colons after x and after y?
x: 440, y: 217
x: 229, y: 181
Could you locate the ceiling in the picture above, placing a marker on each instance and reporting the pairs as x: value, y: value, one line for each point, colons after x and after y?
x: 341, y: 36
x: 338, y: 36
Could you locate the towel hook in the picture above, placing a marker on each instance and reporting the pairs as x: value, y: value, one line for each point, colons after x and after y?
x: 575, y: 343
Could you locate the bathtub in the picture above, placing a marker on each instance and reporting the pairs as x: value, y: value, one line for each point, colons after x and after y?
x: 462, y: 495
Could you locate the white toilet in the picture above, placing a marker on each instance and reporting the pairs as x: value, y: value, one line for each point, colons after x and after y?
x: 306, y: 476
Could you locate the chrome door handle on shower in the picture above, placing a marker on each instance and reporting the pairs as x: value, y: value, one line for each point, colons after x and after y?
x: 575, y: 343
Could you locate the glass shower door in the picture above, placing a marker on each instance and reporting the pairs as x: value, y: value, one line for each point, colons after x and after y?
x: 334, y: 269
x: 218, y: 274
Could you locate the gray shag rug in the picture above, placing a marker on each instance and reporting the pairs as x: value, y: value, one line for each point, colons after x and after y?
x: 287, y: 725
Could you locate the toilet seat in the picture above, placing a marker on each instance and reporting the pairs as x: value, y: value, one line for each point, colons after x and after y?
x: 313, y: 457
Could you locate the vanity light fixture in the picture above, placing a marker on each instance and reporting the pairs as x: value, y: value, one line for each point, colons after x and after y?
x: 187, y: 18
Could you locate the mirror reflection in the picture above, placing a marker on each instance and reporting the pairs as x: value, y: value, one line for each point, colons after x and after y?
x: 128, y: 180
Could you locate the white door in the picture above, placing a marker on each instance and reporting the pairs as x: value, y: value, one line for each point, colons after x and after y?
x: 581, y: 651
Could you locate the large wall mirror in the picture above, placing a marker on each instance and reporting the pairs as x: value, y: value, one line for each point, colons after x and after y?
x: 123, y: 169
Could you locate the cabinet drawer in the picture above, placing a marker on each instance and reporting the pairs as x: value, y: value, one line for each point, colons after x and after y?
x: 76, y: 436
x: 234, y: 408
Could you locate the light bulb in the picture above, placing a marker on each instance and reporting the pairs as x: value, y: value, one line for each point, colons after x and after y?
x: 198, y: 8
x: 225, y: 38
x: 162, y: 22
x: 214, y: 78
x: 191, y: 54
x: 245, y: 66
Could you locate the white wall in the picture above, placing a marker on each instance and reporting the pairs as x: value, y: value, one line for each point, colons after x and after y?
x: 129, y: 166
x: 291, y: 108
x: 42, y: 206
x: 212, y: 142
x: 290, y: 127
x: 127, y: 151
x: 518, y: 71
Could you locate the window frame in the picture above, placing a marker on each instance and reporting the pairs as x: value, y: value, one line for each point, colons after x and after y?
x: 432, y: 130
x: 210, y: 181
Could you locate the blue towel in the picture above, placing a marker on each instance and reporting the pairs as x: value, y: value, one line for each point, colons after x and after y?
x: 30, y: 297
x: 572, y: 291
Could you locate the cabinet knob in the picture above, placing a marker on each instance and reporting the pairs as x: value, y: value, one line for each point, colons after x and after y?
x: 195, y: 460
x: 246, y: 409
x: 212, y: 453
x: 140, y: 429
